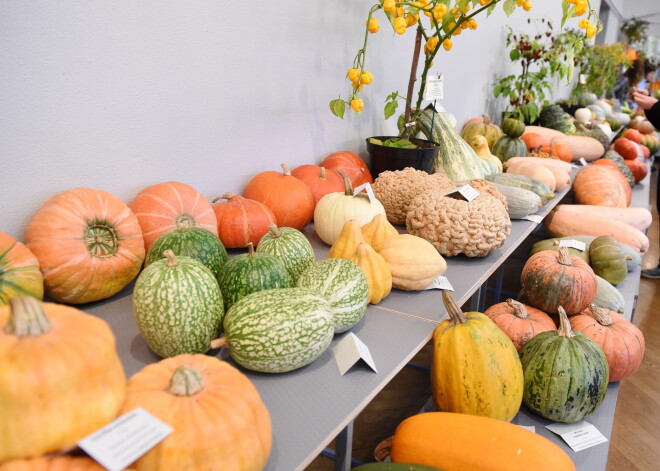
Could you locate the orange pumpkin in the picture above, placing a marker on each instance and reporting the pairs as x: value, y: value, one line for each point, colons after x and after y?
x: 172, y: 205
x: 638, y: 168
x: 621, y: 341
x: 319, y: 180
x: 19, y: 270
x: 534, y: 141
x: 56, y: 463
x: 602, y: 186
x: 633, y: 135
x: 626, y: 148
x: 350, y: 163
x: 646, y: 152
x: 563, y: 152
x: 217, y: 415
x: 290, y: 200
x: 519, y: 322
x: 60, y: 380
x: 606, y: 163
x: 88, y: 243
x: 241, y: 220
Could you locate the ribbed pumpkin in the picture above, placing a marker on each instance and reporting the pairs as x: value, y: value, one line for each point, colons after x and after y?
x: 171, y: 205
x: 484, y: 127
x: 60, y: 379
x: 351, y: 164
x: 621, y: 340
x: 319, y: 180
x: 475, y: 367
x: 413, y: 261
x: 290, y: 200
x: 513, y: 127
x: 607, y: 259
x: 507, y: 147
x: 626, y: 148
x: 19, y: 271
x: 555, y: 244
x: 551, y: 279
x: 241, y: 220
x: 566, y: 374
x: 56, y: 463
x: 377, y: 231
x: 217, y: 416
x: 519, y: 322
x: 178, y: 306
x: 602, y: 186
x: 290, y: 246
x: 88, y: 243
x: 461, y: 442
x: 376, y: 269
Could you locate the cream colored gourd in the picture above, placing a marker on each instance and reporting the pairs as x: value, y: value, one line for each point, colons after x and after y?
x: 376, y: 270
x: 413, y: 261
x: 480, y: 145
x: 559, y: 164
x: 348, y: 241
x: 534, y: 171
x: 378, y: 231
x: 334, y: 209
x: 639, y: 218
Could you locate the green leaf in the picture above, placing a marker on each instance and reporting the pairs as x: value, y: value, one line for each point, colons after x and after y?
x: 509, y: 7
x: 338, y: 107
x: 373, y: 140
x: 568, y: 11
x: 461, y: 4
x: 399, y: 143
x: 514, y: 55
x: 490, y: 9
x: 390, y: 108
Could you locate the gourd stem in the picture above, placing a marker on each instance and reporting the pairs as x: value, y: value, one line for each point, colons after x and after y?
x: 186, y: 381
x: 348, y: 186
x: 486, y: 119
x: 219, y: 343
x: 274, y: 230
x: 286, y: 169
x: 225, y: 196
x: 27, y: 317
x: 564, y: 324
x: 250, y: 248
x: 171, y: 258
x: 602, y: 317
x: 323, y: 177
x: 565, y: 257
x: 455, y: 314
x: 518, y: 308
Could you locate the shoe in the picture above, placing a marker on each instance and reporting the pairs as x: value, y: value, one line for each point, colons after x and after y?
x: 652, y: 273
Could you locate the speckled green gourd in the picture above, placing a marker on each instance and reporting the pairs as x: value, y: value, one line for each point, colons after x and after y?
x: 566, y: 374
x: 178, y: 306
x: 194, y: 242
x: 290, y: 246
x: 343, y: 284
x: 278, y: 330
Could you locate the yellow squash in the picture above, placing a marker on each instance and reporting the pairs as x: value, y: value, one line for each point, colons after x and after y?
x: 480, y: 145
x: 347, y: 242
x: 376, y: 270
x: 377, y: 231
x: 413, y: 261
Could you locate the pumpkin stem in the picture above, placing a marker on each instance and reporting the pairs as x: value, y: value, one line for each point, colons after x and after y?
x: 348, y: 186
x: 171, y: 258
x: 486, y: 119
x: 323, y: 177
x: 455, y: 314
x: 26, y: 317
x: 186, y: 381
x: 225, y: 196
x: 519, y: 309
x: 602, y: 317
x: 274, y: 230
x: 250, y: 248
x: 383, y: 450
x: 219, y: 343
x: 286, y: 169
x: 564, y: 324
x: 565, y: 257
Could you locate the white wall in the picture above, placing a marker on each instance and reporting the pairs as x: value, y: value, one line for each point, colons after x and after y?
x: 123, y: 94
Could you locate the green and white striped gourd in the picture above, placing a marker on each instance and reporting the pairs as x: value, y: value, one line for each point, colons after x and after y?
x: 194, y: 242
x: 608, y: 297
x: 249, y: 273
x: 178, y: 306
x: 343, y: 284
x: 290, y: 246
x: 524, y: 182
x: 278, y: 330
x: 520, y: 202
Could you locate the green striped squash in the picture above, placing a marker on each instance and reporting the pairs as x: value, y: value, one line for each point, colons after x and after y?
x: 608, y: 297
x: 343, y: 284
x: 194, y: 242
x: 278, y: 330
x: 566, y: 374
x: 290, y: 246
x: 249, y: 273
x: 178, y: 306
x: 524, y: 182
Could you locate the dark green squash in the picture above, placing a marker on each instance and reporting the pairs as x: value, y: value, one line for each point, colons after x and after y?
x: 553, y: 117
x: 513, y: 127
x: 608, y: 260
x: 566, y: 374
x: 506, y: 147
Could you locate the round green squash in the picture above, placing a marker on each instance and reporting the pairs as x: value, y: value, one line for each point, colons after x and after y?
x: 290, y: 246
x: 343, y: 284
x: 513, y: 127
x: 278, y: 330
x: 553, y: 244
x: 178, y: 306
x: 507, y: 147
x: 566, y: 374
x: 608, y: 260
x: 249, y: 273
x: 194, y: 242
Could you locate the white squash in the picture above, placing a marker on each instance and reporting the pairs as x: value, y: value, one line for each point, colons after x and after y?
x: 583, y: 115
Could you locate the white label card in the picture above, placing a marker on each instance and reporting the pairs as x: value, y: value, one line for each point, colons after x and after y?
x: 573, y: 244
x: 583, y: 162
x: 466, y: 191
x: 435, y: 88
x: 534, y: 218
x: 412, y: 123
x: 349, y: 351
x: 579, y: 436
x: 369, y: 190
x: 531, y: 428
x: 125, y: 439
x: 440, y: 282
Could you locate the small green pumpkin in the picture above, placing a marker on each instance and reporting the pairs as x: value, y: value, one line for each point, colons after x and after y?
x: 513, y: 127
x: 290, y: 246
x: 608, y: 260
x: 506, y: 147
x: 566, y: 374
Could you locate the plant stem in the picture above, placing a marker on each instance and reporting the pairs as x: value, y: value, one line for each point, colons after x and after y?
x: 413, y: 72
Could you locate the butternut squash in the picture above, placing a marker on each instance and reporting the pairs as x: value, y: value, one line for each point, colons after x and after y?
x: 532, y: 170
x: 639, y: 218
x: 565, y: 166
x: 582, y: 147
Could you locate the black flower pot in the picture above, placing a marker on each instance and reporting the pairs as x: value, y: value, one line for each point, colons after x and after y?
x: 393, y: 158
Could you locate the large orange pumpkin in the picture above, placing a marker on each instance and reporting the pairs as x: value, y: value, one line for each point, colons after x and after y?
x: 320, y: 180
x: 217, y: 415
x: 172, y: 205
x: 633, y: 135
x: 88, y: 243
x: 241, y: 220
x: 519, y: 322
x: 56, y: 463
x: 19, y: 270
x: 351, y: 164
x: 621, y: 340
x: 290, y: 200
x: 60, y: 379
x: 602, y: 186
x: 626, y: 148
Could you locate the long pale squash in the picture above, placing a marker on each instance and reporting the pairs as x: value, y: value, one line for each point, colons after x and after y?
x: 582, y: 147
x: 547, y: 133
x: 639, y: 218
x: 565, y: 166
x: 533, y: 170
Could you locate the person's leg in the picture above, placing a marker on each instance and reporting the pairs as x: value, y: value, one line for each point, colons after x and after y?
x: 654, y: 273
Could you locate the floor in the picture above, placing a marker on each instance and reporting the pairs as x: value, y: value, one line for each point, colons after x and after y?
x: 635, y: 441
